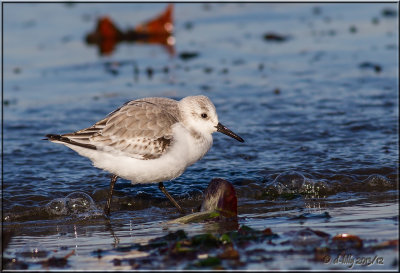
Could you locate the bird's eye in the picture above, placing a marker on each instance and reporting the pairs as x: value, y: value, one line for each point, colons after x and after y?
x: 204, y: 115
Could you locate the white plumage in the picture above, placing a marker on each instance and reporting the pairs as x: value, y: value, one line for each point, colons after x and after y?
x: 149, y: 140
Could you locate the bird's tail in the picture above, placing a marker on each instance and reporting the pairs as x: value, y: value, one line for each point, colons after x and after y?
x: 65, y: 140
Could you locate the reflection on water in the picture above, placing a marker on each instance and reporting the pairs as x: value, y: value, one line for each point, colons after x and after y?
x: 311, y: 87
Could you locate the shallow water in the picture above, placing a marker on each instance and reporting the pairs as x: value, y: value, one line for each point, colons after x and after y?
x: 320, y: 108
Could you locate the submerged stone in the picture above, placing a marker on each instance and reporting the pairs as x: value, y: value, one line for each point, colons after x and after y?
x: 306, y: 239
x: 220, y: 203
x: 188, y: 55
x: 207, y: 240
x: 209, y: 261
x: 229, y: 253
x: 172, y: 236
x: 346, y: 241
x: 220, y: 196
x: 274, y: 37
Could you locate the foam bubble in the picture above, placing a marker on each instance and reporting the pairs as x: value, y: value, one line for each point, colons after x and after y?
x: 376, y: 181
x: 76, y: 204
x: 289, y: 182
x: 57, y: 207
x: 79, y: 202
x: 292, y: 182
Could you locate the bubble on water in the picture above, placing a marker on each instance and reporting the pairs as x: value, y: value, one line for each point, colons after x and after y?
x: 79, y: 202
x: 314, y: 188
x: 76, y: 204
x: 376, y: 181
x: 289, y: 182
x: 57, y: 207
x: 292, y: 182
x: 81, y: 205
x: 32, y: 251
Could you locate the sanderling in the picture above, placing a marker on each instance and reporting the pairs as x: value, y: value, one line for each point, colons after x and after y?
x: 149, y: 140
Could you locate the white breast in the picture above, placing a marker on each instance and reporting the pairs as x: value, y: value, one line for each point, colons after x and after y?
x: 196, y: 146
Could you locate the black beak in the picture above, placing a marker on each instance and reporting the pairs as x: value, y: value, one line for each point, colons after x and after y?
x: 222, y: 129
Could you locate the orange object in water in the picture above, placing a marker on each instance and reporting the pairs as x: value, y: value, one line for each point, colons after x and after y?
x: 163, y: 24
x: 159, y: 30
x: 107, y: 29
x: 156, y: 31
x: 106, y: 36
x: 109, y: 34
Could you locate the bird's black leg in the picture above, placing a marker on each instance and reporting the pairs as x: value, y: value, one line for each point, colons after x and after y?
x: 110, y: 228
x: 164, y: 190
x: 110, y: 193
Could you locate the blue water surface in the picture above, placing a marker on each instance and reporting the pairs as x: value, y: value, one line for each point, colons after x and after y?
x: 322, y: 103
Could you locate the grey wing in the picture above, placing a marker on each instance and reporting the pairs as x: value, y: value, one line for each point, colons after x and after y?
x: 138, y: 129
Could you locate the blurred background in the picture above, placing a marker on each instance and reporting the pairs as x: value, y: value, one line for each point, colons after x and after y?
x: 312, y: 88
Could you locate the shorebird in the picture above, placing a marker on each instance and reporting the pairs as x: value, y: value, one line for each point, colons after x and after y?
x: 149, y: 140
